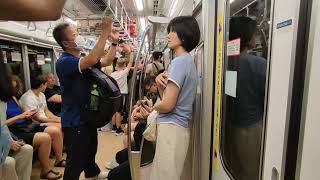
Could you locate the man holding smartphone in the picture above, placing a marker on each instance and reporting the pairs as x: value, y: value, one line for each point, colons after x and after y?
x: 80, y: 139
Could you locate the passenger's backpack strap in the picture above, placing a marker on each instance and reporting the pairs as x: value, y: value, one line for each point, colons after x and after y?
x: 156, y: 66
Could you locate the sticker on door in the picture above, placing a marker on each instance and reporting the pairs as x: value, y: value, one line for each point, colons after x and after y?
x: 233, y: 47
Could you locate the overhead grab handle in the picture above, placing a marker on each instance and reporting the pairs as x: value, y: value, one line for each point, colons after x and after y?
x: 32, y: 26
x: 49, y: 30
x: 158, y: 20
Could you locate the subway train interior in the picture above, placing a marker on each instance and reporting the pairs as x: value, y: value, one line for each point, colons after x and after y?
x: 253, y: 96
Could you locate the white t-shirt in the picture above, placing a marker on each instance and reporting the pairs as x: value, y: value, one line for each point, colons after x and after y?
x: 121, y: 78
x: 30, y: 101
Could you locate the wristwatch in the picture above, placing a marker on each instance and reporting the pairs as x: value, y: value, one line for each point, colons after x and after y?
x: 114, y: 44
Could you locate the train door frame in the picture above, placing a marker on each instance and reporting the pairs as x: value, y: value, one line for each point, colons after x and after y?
x: 284, y: 95
x: 209, y: 12
x: 282, y: 19
x: 308, y: 153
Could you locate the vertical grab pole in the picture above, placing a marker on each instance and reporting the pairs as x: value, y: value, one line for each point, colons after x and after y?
x: 135, y: 175
x: 142, y: 76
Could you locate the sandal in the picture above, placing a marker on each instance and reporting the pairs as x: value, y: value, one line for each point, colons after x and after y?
x: 51, y: 175
x: 62, y: 163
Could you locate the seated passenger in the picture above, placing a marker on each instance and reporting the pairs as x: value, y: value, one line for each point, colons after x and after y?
x: 143, y: 108
x: 120, y: 168
x: 140, y: 113
x: 34, y: 99
x: 120, y: 75
x: 151, y: 88
x: 40, y: 137
x: 18, y: 164
x: 53, y: 95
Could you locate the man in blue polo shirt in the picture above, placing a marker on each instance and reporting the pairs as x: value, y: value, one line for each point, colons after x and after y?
x: 79, y: 138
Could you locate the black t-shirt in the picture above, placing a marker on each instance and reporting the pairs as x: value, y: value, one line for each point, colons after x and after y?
x: 251, y: 81
x: 55, y: 108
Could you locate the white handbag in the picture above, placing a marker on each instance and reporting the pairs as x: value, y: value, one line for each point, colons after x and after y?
x: 150, y: 133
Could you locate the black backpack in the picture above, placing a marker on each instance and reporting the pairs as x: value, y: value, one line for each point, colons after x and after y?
x: 105, y: 98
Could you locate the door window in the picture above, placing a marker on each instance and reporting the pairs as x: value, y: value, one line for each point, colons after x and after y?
x: 245, y: 74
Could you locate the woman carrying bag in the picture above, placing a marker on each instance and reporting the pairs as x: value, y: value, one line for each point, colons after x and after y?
x: 177, y: 89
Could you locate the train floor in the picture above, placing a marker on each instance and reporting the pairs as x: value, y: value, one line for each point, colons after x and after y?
x: 109, y: 145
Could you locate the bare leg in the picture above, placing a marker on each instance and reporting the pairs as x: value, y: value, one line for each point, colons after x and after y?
x: 118, y: 119
x: 57, y: 141
x: 114, y: 119
x: 53, y: 124
x: 125, y: 140
x: 42, y: 142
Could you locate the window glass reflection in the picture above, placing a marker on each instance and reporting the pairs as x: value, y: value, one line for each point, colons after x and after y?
x: 243, y: 112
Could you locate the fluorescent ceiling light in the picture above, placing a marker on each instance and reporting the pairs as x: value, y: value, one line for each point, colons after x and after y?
x: 139, y: 5
x: 173, y: 7
x: 71, y: 21
x: 142, y: 23
x: 231, y: 1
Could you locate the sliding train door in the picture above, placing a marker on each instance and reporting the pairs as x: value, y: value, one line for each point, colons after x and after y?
x: 256, y: 53
x: 309, y: 146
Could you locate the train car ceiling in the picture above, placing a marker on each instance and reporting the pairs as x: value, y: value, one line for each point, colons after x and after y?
x: 86, y: 15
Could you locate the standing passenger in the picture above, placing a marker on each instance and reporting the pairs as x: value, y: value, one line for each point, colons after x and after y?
x: 156, y: 67
x: 81, y: 140
x: 121, y: 75
x: 177, y: 90
x: 246, y: 130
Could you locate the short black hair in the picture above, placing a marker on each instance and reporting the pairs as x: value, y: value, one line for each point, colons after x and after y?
x: 187, y: 29
x: 37, y: 81
x: 157, y: 55
x: 244, y: 28
x: 58, y: 33
x: 6, y: 88
x: 149, y: 80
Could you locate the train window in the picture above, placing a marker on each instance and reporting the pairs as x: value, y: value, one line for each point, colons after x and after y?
x: 245, y: 72
x: 40, y: 60
x: 12, y: 54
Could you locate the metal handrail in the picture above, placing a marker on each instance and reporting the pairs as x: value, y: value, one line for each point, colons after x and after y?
x: 134, y: 173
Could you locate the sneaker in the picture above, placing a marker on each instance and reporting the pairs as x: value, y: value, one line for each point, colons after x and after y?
x: 106, y: 128
x: 119, y: 132
x: 102, y: 175
x: 111, y: 164
x: 114, y: 129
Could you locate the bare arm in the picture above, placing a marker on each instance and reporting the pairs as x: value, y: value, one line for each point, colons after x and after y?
x: 14, y: 119
x: 31, y: 10
x: 169, y: 99
x: 161, y: 81
x: 50, y: 117
x: 108, y: 58
x: 148, y: 68
x: 55, y: 98
x: 49, y: 114
x: 130, y: 64
x: 98, y: 50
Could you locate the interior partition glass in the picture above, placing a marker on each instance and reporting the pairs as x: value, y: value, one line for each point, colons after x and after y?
x: 40, y: 60
x: 245, y: 74
x: 12, y: 55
